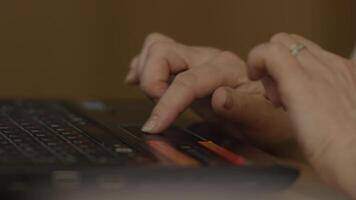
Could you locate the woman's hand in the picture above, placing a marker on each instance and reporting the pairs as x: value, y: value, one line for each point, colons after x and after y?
x: 318, y: 90
x: 204, y: 72
x: 175, y: 75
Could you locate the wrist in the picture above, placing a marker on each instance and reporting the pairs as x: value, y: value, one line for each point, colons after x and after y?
x: 336, y: 164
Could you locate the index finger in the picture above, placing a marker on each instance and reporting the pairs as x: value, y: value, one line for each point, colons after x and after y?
x: 190, y: 85
x: 275, y: 60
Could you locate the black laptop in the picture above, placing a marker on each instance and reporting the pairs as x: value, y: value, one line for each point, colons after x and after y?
x: 96, y: 150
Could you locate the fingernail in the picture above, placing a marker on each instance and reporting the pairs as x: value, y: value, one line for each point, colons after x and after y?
x: 150, y: 125
x: 228, y: 102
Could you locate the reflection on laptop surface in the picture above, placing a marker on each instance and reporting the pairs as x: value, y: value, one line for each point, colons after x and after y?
x: 48, y: 147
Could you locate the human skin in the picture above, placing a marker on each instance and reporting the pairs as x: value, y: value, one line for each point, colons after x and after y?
x: 205, y: 72
x: 317, y: 88
x: 313, y: 92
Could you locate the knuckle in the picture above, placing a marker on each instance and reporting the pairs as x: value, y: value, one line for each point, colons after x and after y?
x: 252, y: 54
x: 152, y: 89
x: 299, y: 38
x: 153, y: 36
x: 230, y: 58
x: 146, y: 86
x: 159, y: 47
x: 185, y: 80
x: 213, y: 49
x: 229, y: 55
x: 276, y: 48
x: 279, y: 37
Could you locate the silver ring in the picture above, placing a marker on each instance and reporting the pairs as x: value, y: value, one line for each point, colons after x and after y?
x: 297, y: 48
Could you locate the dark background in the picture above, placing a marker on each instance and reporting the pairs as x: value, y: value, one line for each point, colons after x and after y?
x: 80, y: 49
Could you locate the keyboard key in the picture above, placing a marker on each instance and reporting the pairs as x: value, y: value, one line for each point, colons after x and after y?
x: 41, y: 132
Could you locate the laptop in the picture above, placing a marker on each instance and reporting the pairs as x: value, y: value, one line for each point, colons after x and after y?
x: 53, y: 149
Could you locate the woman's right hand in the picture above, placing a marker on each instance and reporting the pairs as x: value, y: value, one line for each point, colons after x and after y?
x: 204, y: 72
x: 175, y: 75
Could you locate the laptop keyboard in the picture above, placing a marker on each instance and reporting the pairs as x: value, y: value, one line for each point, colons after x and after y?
x: 49, y: 133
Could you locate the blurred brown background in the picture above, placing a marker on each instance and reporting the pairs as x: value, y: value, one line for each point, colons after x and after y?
x: 81, y: 48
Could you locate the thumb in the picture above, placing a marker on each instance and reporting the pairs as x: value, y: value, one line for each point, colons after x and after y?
x: 263, y: 123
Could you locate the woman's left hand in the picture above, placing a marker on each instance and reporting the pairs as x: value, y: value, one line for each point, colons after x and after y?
x: 318, y: 90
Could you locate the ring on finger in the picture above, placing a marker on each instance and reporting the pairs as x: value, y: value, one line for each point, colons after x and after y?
x: 297, y: 48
